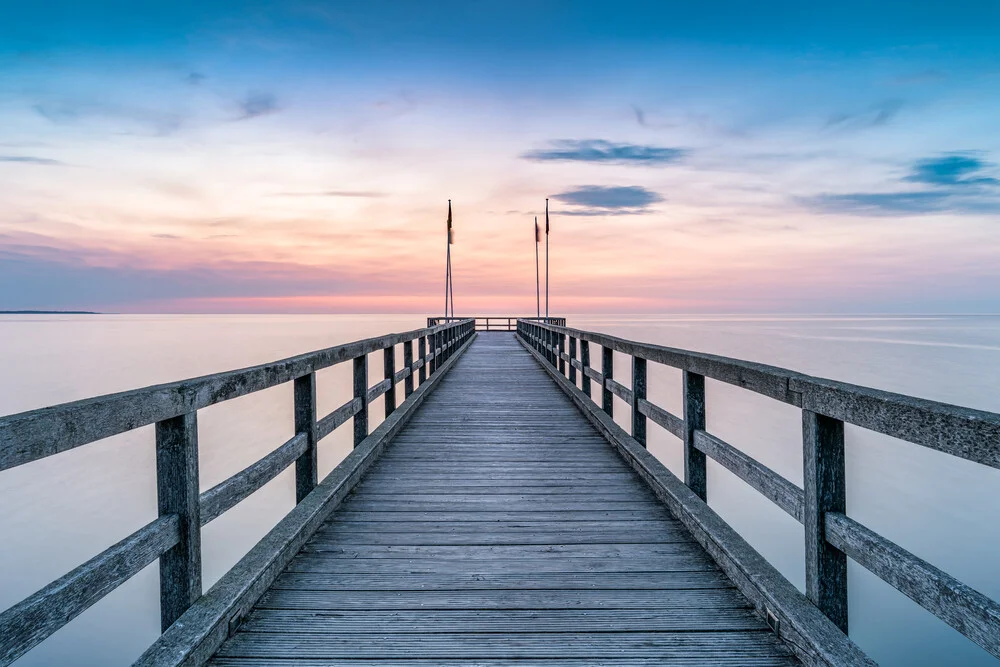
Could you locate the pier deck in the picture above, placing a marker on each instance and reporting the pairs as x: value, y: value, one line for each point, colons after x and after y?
x: 499, y: 526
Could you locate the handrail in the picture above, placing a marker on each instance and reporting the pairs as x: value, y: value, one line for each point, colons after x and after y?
x: 831, y: 537
x: 496, y: 322
x: 174, y: 537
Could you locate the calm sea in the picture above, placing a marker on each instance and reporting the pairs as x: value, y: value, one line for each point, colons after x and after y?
x: 58, y: 512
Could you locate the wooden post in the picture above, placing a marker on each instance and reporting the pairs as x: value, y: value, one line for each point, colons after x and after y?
x: 825, y: 490
x: 608, y: 370
x: 585, y: 362
x: 562, y: 344
x: 572, y: 358
x: 389, y: 364
x: 361, y: 391
x: 434, y: 360
x: 177, y: 493
x: 305, y: 422
x: 695, y: 475
x: 422, y: 354
x: 638, y: 392
x: 408, y: 363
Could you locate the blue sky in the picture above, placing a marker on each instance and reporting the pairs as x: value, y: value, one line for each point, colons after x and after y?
x: 235, y: 156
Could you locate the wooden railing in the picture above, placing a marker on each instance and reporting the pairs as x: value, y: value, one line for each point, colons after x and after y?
x: 831, y: 536
x: 496, y: 322
x: 175, y: 536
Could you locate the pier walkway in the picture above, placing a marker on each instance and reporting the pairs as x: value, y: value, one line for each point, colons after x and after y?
x: 499, y: 526
x: 500, y: 513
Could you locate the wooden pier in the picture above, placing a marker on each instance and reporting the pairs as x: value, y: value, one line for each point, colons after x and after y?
x: 499, y: 515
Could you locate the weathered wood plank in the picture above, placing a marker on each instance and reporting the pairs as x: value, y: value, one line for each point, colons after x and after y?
x: 666, y: 646
x: 461, y: 621
x: 225, y: 495
x: 960, y: 606
x: 672, y: 423
x: 306, y: 475
x: 32, y: 620
x: 327, y: 424
x: 770, y: 484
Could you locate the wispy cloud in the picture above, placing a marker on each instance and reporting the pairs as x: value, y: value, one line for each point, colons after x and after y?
x: 605, y: 152
x: 953, y: 181
x: 29, y: 159
x: 159, y: 123
x: 258, y: 104
x: 608, y: 200
x: 874, y: 116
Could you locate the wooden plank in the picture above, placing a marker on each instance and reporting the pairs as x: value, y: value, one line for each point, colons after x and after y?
x: 471, y: 581
x: 378, y: 389
x: 607, y: 373
x: 672, y: 423
x: 177, y: 495
x: 327, y: 424
x: 962, y: 607
x: 619, y: 390
x: 389, y: 370
x: 703, y: 599
x: 223, y: 496
x: 694, y: 561
x: 462, y: 621
x: 665, y: 646
x: 35, y: 618
x: 770, y: 484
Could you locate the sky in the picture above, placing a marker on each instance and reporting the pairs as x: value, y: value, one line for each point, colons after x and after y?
x: 698, y: 157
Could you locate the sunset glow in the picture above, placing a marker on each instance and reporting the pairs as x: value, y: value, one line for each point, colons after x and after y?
x: 298, y: 157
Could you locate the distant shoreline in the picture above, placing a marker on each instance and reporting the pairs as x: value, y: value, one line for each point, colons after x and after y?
x: 48, y: 312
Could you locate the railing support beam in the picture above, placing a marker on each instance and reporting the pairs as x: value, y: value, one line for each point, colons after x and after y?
x: 825, y: 491
x: 177, y: 493
x: 638, y: 393
x: 572, y: 357
x: 305, y: 422
x: 608, y: 371
x: 695, y: 474
x: 361, y: 392
x: 585, y: 362
x: 408, y: 363
x: 389, y: 364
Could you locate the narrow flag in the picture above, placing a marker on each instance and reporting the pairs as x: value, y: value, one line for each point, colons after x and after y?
x: 538, y: 233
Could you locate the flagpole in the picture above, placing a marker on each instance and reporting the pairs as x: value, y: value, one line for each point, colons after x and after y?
x: 447, y: 266
x: 538, y: 297
x: 546, y: 258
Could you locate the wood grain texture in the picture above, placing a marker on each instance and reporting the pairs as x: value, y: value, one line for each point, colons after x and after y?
x: 499, y: 525
x: 177, y: 495
x: 824, y: 491
x: 770, y: 484
x: 32, y: 620
x: 960, y: 606
x: 225, y: 495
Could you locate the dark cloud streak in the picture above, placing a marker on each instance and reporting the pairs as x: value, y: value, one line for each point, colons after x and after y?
x: 590, y: 200
x: 600, y: 151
